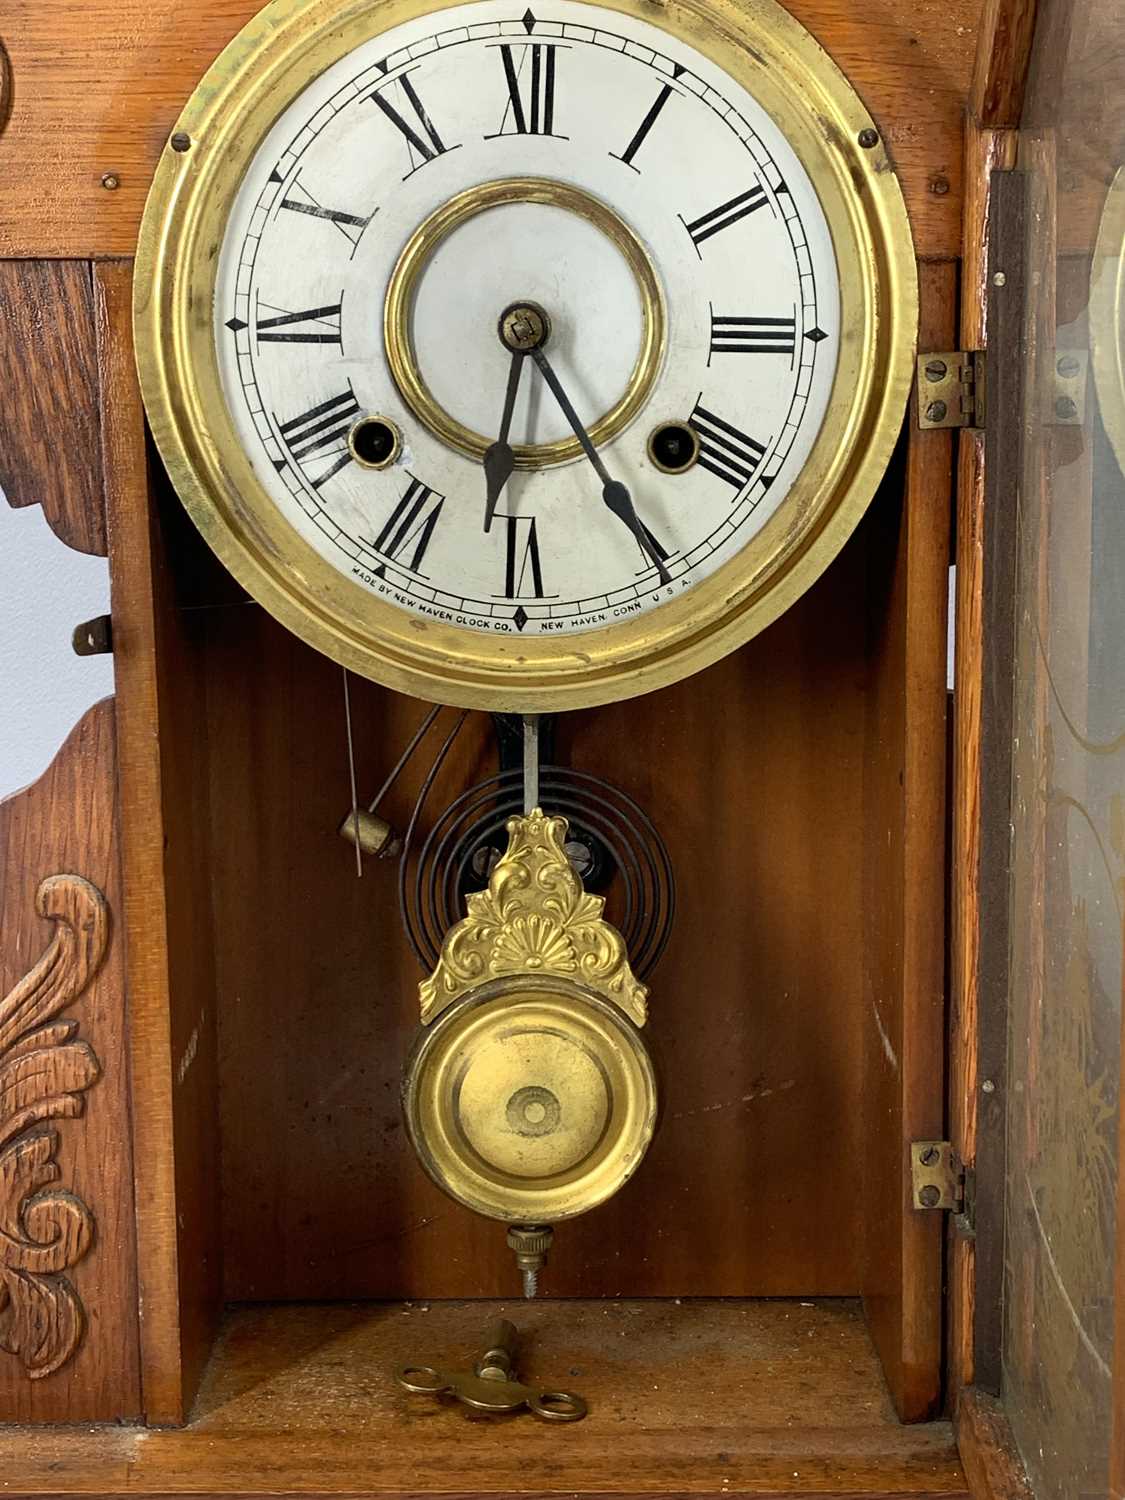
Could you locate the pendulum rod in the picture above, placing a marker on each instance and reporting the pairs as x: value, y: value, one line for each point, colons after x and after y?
x: 530, y: 763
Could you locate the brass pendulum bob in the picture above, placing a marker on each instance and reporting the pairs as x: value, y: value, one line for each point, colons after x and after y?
x: 529, y: 1095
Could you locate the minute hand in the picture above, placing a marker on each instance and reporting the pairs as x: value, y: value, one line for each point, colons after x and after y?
x: 614, y: 494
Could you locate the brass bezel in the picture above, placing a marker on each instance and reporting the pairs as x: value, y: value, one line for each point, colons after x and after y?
x: 498, y: 193
x: 292, y: 41
x: 576, y: 1011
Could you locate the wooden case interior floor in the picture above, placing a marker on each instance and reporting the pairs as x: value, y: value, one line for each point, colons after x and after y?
x: 686, y: 1397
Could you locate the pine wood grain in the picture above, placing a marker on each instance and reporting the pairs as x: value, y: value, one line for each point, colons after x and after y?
x: 165, y: 910
x: 904, y: 876
x: 49, y: 416
x: 755, y: 1399
x: 66, y: 823
x: 98, y: 84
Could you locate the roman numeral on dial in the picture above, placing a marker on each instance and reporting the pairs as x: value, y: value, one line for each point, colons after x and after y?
x: 531, y: 89
x: 725, y: 215
x: 410, y: 526
x: 523, y: 572
x: 724, y: 450
x: 421, y: 137
x: 316, y: 325
x: 752, y: 335
x: 301, y: 201
x: 320, y: 435
x: 645, y: 126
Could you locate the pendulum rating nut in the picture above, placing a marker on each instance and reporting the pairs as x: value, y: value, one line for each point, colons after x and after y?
x: 530, y: 1244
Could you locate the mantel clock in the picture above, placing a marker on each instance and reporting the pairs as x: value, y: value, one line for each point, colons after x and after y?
x: 533, y: 830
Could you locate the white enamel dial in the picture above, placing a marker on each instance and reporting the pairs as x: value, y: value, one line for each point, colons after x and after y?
x: 702, y: 180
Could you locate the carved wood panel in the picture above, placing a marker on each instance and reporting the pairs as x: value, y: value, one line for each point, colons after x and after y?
x: 68, y: 1316
x: 45, y: 1070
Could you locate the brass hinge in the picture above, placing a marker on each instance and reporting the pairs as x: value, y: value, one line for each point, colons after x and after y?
x: 937, y: 1176
x: 951, y: 389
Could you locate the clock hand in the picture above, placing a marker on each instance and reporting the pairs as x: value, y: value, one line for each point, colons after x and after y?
x: 615, y: 495
x: 499, y: 460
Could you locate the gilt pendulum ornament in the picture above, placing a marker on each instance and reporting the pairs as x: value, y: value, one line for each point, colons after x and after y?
x: 530, y: 1096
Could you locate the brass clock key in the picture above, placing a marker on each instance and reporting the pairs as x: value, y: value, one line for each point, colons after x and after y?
x: 491, y: 1384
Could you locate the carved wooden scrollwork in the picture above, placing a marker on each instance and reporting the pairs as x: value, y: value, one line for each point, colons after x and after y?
x: 44, y: 1073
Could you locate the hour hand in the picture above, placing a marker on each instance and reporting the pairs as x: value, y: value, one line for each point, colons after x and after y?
x: 499, y: 459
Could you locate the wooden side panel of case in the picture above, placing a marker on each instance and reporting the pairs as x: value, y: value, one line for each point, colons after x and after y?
x: 97, y: 86
x: 904, y: 859
x: 162, y: 749
x: 986, y: 151
x: 68, y: 1314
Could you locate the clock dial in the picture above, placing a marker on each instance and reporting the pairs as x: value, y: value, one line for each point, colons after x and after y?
x: 609, y: 174
x: 678, y: 427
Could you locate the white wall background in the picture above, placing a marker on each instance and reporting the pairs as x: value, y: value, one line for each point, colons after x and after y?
x: 46, y: 588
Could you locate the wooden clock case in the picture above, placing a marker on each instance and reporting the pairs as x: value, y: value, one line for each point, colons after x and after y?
x: 265, y: 1248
